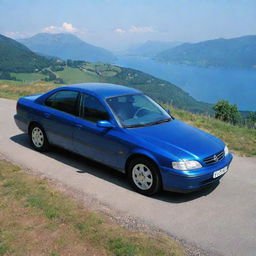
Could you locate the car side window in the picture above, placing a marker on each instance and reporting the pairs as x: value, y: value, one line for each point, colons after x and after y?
x: 65, y: 101
x: 92, y: 109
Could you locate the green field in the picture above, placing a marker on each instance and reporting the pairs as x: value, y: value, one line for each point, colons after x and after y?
x: 28, y: 77
x: 90, y: 72
x: 75, y: 75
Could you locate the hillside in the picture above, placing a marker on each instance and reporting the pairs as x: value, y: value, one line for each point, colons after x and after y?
x: 229, y: 53
x: 78, y: 72
x: 150, y: 48
x: 15, y: 57
x: 66, y: 46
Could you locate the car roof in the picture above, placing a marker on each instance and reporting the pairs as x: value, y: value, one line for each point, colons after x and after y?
x: 104, y: 90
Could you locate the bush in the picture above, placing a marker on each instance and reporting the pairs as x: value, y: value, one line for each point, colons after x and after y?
x: 227, y: 112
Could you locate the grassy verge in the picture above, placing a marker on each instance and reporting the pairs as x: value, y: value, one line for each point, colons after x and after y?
x: 16, y: 89
x: 36, y: 219
x: 239, y: 139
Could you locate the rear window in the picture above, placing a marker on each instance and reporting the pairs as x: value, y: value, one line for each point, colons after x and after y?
x: 65, y: 101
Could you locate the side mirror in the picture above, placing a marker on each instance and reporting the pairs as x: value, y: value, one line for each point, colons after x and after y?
x: 105, y: 124
x: 168, y: 111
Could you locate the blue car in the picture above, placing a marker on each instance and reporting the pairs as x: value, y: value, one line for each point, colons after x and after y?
x: 123, y: 128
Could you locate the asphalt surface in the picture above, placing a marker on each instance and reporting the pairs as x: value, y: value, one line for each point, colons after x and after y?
x: 221, y: 219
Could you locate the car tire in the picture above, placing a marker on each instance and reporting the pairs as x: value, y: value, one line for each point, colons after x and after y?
x: 38, y: 138
x: 144, y: 176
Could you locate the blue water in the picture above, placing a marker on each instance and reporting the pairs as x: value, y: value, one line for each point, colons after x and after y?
x: 238, y: 86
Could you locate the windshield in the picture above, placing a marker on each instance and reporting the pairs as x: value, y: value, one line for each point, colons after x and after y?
x: 137, y: 110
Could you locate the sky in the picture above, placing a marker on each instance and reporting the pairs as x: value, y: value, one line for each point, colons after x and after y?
x: 118, y: 24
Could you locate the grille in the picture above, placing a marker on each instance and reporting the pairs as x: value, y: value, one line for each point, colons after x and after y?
x: 214, y: 158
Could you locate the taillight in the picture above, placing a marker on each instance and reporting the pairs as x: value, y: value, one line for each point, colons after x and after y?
x: 17, y: 107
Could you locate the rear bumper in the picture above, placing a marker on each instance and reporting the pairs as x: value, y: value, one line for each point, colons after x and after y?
x: 21, y: 123
x: 178, y: 181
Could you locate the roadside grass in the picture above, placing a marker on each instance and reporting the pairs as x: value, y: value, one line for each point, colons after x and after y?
x: 36, y: 219
x: 16, y: 89
x: 240, y: 140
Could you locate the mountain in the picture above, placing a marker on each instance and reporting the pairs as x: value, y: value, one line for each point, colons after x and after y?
x: 229, y: 53
x: 150, y: 48
x: 66, y: 46
x: 15, y: 57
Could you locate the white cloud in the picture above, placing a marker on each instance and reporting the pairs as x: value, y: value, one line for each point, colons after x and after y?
x: 135, y: 29
x: 119, y: 30
x: 66, y: 27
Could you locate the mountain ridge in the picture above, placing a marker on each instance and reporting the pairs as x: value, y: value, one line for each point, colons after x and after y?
x: 239, y: 52
x: 15, y: 57
x: 150, y: 48
x: 67, y: 46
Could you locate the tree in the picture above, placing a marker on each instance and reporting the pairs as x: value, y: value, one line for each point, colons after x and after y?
x: 6, y: 76
x: 69, y: 63
x: 251, y: 120
x: 227, y: 112
x: 59, y: 81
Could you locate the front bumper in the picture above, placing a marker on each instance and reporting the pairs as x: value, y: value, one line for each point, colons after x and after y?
x: 180, y: 181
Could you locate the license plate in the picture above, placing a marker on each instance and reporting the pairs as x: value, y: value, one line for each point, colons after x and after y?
x: 220, y: 172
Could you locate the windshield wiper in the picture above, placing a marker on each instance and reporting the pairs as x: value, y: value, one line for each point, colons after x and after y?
x: 135, y: 125
x: 162, y: 121
x: 148, y: 124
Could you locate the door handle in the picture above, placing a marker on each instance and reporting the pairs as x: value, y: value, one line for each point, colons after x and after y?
x: 47, y: 115
x: 79, y: 126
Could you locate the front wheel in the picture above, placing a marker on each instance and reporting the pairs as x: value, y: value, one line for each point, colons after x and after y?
x: 144, y: 176
x: 38, y: 138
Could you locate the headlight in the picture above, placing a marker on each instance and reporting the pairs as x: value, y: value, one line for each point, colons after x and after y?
x: 186, y: 165
x: 226, y: 150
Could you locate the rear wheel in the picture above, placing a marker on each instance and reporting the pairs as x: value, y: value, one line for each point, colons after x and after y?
x: 144, y: 176
x: 38, y: 138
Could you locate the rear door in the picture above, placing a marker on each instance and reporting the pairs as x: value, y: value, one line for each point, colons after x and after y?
x: 59, y: 117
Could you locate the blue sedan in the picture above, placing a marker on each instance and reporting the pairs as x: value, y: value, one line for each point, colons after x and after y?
x: 123, y: 128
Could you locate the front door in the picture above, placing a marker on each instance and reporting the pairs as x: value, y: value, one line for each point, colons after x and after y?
x: 97, y: 143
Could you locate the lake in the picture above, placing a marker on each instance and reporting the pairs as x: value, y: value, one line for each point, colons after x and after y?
x: 238, y: 86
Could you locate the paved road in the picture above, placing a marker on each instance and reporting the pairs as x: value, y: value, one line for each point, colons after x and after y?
x: 221, y: 219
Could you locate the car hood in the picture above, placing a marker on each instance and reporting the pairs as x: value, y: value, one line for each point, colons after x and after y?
x: 181, y: 140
